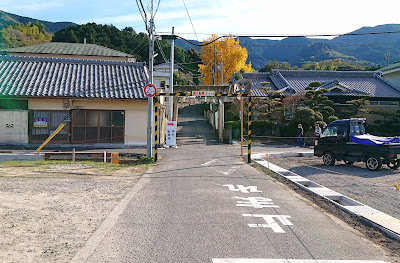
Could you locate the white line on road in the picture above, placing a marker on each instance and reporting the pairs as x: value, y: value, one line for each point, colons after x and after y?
x: 209, y: 162
x: 262, y: 260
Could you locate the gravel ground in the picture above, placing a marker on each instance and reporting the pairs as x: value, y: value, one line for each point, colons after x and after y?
x: 48, y: 212
x: 375, y: 189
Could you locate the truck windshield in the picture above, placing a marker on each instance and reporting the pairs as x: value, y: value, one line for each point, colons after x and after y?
x: 357, y: 128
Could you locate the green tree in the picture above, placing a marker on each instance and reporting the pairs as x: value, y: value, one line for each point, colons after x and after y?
x: 317, y: 102
x: 179, y: 80
x: 23, y: 35
x: 358, y: 105
x: 306, y: 117
x: 127, y: 41
x: 275, y: 65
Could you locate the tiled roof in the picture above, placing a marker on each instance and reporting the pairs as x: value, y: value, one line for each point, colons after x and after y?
x: 255, y: 80
x: 78, y: 49
x: 72, y: 78
x: 350, y: 83
x: 393, y: 67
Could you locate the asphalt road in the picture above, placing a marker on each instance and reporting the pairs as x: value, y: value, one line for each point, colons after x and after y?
x: 202, y: 203
x: 373, y: 188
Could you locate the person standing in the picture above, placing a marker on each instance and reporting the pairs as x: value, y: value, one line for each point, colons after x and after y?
x: 300, y: 135
x: 317, y: 130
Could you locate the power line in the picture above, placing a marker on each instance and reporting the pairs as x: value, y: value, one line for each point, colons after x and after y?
x: 287, y: 36
x: 162, y: 51
x: 142, y: 12
x: 190, y: 19
x: 158, y: 5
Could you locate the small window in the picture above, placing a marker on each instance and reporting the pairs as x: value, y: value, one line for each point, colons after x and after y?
x: 105, y: 118
x: 373, y: 103
x: 117, y: 118
x: 342, y: 129
x: 330, y: 131
x: 162, y: 84
x: 92, y: 118
x: 78, y: 119
x: 357, y: 128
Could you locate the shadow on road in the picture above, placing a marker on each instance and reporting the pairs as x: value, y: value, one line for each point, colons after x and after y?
x: 194, y: 128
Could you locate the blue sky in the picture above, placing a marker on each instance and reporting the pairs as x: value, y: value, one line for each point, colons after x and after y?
x: 251, y: 17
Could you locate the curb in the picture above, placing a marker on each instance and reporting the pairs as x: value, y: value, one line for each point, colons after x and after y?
x: 380, y: 220
x: 20, y: 157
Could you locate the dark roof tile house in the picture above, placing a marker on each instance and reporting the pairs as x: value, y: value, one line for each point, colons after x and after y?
x: 338, y: 83
x: 69, y: 50
x: 71, y: 78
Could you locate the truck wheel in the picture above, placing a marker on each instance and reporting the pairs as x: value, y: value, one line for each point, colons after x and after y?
x: 394, y: 164
x: 328, y: 159
x: 373, y: 163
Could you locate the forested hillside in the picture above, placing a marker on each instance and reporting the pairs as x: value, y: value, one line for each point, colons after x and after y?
x: 366, y: 49
x: 12, y: 19
x: 18, y: 35
x: 128, y: 41
x: 355, y: 52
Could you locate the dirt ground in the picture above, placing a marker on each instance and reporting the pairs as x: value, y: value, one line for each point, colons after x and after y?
x: 48, y: 212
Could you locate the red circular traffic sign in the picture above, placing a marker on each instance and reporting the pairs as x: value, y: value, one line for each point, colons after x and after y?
x: 150, y: 90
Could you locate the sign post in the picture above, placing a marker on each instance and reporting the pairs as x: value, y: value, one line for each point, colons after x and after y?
x: 171, y: 133
x: 150, y: 91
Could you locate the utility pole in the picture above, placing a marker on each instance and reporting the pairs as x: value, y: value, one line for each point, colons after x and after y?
x: 150, y: 99
x: 222, y: 74
x: 171, y: 78
x: 387, y: 58
x: 213, y: 69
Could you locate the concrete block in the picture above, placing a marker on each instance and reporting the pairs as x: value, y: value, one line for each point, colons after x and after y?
x: 22, y: 157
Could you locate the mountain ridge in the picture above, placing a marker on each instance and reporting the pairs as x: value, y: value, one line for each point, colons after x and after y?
x: 50, y: 27
x: 367, y: 49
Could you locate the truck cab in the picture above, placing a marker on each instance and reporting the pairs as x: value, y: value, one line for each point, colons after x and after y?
x: 337, y: 143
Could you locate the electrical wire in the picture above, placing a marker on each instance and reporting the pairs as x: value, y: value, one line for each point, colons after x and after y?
x: 287, y: 36
x: 190, y: 19
x: 158, y: 5
x: 162, y: 51
x: 137, y: 53
x: 142, y: 12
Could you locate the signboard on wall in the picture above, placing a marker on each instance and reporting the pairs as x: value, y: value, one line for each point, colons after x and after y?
x: 203, y: 93
x: 40, y: 123
x: 171, y: 133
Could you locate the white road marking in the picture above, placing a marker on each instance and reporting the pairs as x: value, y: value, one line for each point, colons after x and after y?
x: 255, y: 202
x: 209, y: 162
x: 270, y: 222
x: 277, y: 260
x: 243, y: 189
x: 230, y: 170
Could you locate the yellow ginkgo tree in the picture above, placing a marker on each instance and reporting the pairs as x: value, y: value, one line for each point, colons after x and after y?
x: 225, y: 53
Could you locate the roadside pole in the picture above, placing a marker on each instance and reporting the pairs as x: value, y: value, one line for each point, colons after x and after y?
x: 249, y: 133
x: 171, y: 78
x: 155, y: 128
x: 241, y: 125
x: 150, y: 99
